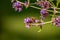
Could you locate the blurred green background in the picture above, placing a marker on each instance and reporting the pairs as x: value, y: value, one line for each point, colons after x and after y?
x: 13, y: 27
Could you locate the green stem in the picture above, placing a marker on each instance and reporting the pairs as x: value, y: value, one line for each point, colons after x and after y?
x: 47, y: 10
x: 43, y: 23
x: 54, y: 13
x: 52, y: 4
x: 56, y: 8
x: 57, y: 4
x: 40, y: 8
x: 21, y: 2
x: 35, y: 7
x: 28, y: 1
x: 47, y: 22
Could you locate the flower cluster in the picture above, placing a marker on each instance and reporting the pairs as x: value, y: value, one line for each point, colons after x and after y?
x: 17, y: 5
x: 56, y: 21
x: 31, y: 20
x: 44, y: 6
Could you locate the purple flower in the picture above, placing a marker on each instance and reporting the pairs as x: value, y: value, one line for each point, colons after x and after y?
x: 45, y: 4
x: 36, y: 21
x: 17, y: 6
x: 56, y: 21
x: 26, y: 21
x: 44, y: 13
